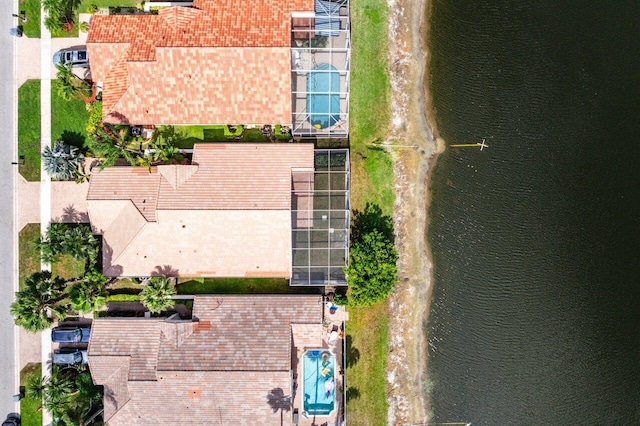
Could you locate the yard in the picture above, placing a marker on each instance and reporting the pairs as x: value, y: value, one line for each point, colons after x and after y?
x: 240, y: 286
x: 28, y: 256
x: 30, y: 413
x: 31, y: 10
x: 68, y: 119
x: 371, y: 181
x: 29, y: 130
x: 186, y: 136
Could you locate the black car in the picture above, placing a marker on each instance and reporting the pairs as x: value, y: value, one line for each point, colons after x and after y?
x: 12, y: 420
x: 70, y: 334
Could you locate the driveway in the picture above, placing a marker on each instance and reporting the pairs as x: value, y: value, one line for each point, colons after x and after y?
x: 29, y: 57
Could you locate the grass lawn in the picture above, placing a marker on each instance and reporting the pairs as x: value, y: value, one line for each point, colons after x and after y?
x: 371, y: 181
x: 68, y: 119
x: 65, y: 266
x: 240, y: 286
x: 367, y: 340
x: 85, y: 5
x: 29, y: 413
x: 31, y: 8
x: 29, y: 129
x: 28, y: 256
x: 190, y: 135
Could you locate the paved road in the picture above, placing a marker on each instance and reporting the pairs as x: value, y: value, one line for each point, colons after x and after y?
x: 8, y: 154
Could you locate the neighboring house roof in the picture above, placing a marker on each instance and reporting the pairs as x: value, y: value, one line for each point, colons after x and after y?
x: 220, y: 62
x: 220, y: 367
x: 226, y: 214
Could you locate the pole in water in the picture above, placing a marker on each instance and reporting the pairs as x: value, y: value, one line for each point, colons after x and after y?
x: 482, y: 145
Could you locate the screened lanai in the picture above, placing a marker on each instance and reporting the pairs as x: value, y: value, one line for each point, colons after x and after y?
x: 320, y: 220
x: 320, y: 55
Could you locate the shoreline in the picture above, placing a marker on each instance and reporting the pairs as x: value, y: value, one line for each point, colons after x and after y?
x: 414, y: 145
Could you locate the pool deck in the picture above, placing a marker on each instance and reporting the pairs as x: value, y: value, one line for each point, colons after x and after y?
x: 331, y: 322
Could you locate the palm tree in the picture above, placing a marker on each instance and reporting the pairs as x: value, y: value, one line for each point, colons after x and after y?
x: 34, y: 388
x: 41, y: 295
x: 63, y: 162
x: 77, y: 241
x: 156, y: 296
x: 112, y: 142
x: 70, y: 85
x: 89, y: 294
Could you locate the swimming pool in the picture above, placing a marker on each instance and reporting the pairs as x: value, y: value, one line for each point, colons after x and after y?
x: 318, y: 370
x: 323, y: 95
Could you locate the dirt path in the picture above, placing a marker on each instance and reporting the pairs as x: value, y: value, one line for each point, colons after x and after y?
x: 414, y: 148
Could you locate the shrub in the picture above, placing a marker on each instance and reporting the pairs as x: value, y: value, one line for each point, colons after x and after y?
x: 372, y: 270
x: 95, y: 117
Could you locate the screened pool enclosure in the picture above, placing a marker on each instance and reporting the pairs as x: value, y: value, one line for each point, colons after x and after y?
x: 320, y: 220
x: 320, y: 70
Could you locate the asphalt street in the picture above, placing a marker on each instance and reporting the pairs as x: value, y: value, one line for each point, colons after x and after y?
x: 8, y: 381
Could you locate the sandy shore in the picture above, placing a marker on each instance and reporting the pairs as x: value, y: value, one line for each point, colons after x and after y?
x: 414, y: 146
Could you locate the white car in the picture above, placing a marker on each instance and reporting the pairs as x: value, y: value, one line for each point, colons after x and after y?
x: 73, y: 57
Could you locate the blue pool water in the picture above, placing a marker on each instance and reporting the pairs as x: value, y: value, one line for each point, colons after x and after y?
x: 319, y: 388
x: 323, y: 107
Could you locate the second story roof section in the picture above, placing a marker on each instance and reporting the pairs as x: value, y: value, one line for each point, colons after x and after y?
x: 218, y: 62
x: 228, y: 214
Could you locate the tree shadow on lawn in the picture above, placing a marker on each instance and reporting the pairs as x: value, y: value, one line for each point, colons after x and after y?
x: 75, y: 139
x: 369, y: 220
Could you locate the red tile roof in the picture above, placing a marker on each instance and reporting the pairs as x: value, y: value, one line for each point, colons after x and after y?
x: 228, y: 214
x: 239, y: 73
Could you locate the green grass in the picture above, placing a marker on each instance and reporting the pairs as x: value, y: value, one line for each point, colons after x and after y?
x: 68, y: 119
x: 239, y: 286
x: 28, y: 256
x: 29, y: 413
x: 32, y: 11
x: 67, y: 267
x: 190, y: 135
x: 86, y: 4
x: 29, y: 129
x: 371, y: 181
x: 371, y: 168
x: 367, y: 342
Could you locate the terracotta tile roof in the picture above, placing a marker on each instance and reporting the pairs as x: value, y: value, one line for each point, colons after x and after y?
x: 223, y: 61
x: 228, y: 214
x: 221, y: 374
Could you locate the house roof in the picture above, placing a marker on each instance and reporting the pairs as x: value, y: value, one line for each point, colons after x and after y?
x: 226, y: 214
x: 222, y: 366
x: 223, y: 61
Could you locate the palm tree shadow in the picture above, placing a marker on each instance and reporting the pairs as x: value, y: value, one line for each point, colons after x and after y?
x: 74, y: 139
x: 164, y: 271
x: 277, y: 400
x: 353, y: 354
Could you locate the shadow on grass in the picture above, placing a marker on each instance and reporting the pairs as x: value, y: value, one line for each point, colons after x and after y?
x: 372, y: 218
x: 352, y: 353
x: 74, y: 138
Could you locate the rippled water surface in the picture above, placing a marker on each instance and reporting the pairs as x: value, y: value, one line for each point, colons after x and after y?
x: 536, y: 240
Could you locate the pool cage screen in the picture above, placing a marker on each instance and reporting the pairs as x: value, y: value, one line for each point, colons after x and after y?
x: 320, y: 55
x: 320, y: 215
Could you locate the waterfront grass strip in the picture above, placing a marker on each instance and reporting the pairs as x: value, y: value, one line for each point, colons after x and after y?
x: 371, y: 181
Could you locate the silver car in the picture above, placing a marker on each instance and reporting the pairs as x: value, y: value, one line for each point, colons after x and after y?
x: 69, y: 356
x: 73, y: 57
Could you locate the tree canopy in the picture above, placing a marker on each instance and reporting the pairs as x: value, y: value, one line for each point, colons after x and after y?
x: 156, y: 296
x: 372, y: 271
x: 42, y: 294
x: 63, y: 161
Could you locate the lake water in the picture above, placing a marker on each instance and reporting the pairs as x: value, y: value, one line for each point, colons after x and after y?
x: 536, y: 240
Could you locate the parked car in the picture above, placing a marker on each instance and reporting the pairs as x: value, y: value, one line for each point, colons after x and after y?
x: 70, y: 356
x: 73, y: 57
x: 70, y: 334
x: 12, y: 420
